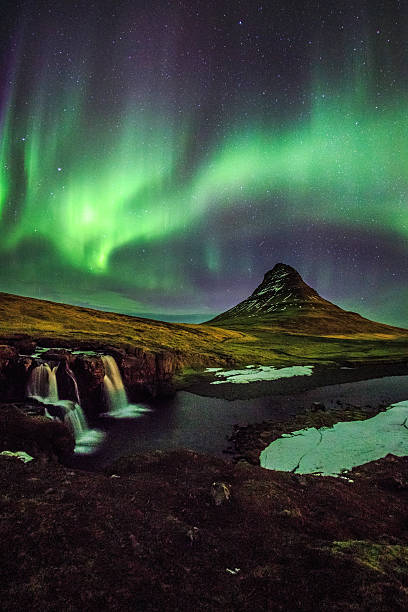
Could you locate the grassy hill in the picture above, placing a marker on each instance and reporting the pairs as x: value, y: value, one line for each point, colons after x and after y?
x: 280, y: 338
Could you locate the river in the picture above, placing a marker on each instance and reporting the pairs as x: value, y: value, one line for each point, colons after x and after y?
x: 203, y: 423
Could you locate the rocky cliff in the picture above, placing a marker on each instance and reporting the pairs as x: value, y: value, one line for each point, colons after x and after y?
x: 145, y: 373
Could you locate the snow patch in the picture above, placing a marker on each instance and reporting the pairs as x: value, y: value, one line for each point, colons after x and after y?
x: 22, y: 455
x: 257, y: 373
x: 331, y: 451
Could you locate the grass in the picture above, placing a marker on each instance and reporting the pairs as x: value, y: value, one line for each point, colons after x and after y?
x: 279, y: 339
x: 382, y: 558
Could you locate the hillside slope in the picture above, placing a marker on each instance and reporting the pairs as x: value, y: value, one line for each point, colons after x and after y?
x: 54, y: 324
x: 283, y: 322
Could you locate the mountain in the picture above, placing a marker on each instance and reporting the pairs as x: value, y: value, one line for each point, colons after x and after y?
x: 285, y: 300
x: 281, y: 289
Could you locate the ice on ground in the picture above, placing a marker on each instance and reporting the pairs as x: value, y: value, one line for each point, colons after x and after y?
x: 213, y: 369
x: 330, y: 451
x: 22, y: 455
x: 256, y: 373
x: 42, y: 349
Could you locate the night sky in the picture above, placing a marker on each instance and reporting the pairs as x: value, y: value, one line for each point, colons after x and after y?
x: 159, y: 157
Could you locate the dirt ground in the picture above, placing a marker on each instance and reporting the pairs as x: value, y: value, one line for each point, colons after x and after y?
x: 153, y: 533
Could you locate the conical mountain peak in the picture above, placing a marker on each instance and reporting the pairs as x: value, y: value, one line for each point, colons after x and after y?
x: 284, y: 284
x: 284, y: 302
x: 281, y: 274
x: 281, y: 269
x: 282, y: 289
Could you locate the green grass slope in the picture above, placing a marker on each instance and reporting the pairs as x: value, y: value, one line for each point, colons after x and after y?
x: 280, y: 338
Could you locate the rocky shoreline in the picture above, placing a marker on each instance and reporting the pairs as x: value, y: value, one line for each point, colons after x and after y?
x: 323, y: 375
x: 145, y: 374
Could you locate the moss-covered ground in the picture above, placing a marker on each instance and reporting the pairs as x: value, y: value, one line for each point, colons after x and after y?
x: 278, y: 340
x: 147, y: 535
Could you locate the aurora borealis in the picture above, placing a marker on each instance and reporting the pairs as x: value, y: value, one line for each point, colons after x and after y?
x: 158, y: 158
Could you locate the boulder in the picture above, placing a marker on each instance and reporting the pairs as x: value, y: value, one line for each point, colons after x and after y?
x: 147, y: 374
x: 89, y: 372
x: 220, y: 492
x: 13, y: 373
x: 38, y: 436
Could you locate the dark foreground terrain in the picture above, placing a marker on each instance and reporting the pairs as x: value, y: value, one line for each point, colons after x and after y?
x: 149, y: 535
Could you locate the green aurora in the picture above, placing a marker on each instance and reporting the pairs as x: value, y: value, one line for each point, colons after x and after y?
x: 130, y: 177
x: 123, y: 187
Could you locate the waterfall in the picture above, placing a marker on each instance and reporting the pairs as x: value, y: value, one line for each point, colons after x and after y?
x: 75, y: 420
x: 52, y: 384
x: 72, y: 377
x: 43, y: 387
x: 86, y: 439
x: 43, y: 383
x: 114, y: 390
x: 115, y: 393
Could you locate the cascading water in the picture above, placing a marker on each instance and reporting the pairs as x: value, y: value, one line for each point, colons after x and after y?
x: 72, y: 377
x: 74, y: 418
x: 43, y: 383
x: 115, y: 392
x: 114, y: 389
x: 86, y: 440
x: 43, y: 387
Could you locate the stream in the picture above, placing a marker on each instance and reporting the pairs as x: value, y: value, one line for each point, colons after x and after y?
x: 203, y: 424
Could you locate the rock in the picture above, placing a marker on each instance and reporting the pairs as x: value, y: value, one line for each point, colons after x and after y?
x: 316, y: 406
x: 147, y: 374
x: 193, y: 534
x: 89, y: 372
x: 23, y: 343
x: 58, y: 355
x: 13, y: 373
x: 220, y: 492
x: 66, y: 381
x: 7, y: 354
x: 38, y: 436
x: 135, y: 544
x: 58, y: 411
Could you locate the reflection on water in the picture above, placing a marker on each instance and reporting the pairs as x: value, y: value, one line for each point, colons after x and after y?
x: 204, y: 423
x: 130, y: 411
